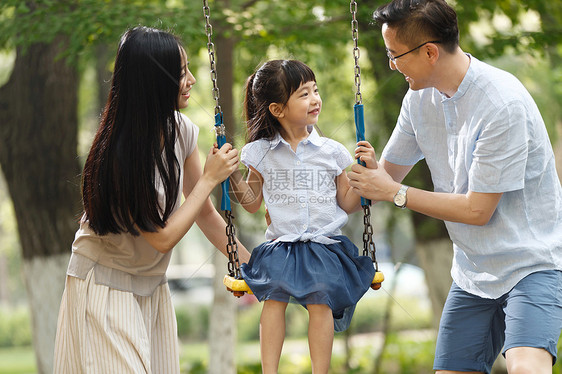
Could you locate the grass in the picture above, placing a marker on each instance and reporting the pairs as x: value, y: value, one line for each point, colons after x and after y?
x: 406, y: 354
x: 19, y: 360
x: 195, y: 357
x: 295, y: 358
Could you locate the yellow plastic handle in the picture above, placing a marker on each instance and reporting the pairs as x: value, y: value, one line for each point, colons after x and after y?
x: 236, y: 285
x: 377, y: 280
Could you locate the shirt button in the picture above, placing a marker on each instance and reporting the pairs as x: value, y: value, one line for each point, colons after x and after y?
x: 303, y: 205
x: 298, y: 162
x: 304, y: 226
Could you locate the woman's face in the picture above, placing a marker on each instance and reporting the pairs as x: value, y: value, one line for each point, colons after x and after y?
x: 186, y: 81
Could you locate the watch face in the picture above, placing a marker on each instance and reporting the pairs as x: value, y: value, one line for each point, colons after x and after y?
x: 400, y: 200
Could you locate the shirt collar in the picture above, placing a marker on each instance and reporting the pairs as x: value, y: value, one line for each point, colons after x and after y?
x: 313, y: 137
x: 466, y: 82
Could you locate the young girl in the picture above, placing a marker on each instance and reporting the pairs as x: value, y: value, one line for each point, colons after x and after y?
x: 300, y: 176
x: 116, y: 313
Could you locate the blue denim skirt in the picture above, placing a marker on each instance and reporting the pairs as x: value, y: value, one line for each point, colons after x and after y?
x: 311, y: 273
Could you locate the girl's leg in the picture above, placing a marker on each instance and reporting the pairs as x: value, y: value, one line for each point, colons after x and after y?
x: 272, y: 334
x: 320, y: 337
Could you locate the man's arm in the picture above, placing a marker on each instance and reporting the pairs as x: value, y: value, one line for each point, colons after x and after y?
x: 382, y: 184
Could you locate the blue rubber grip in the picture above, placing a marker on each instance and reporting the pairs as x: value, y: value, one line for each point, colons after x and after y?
x: 225, y: 186
x: 360, y: 136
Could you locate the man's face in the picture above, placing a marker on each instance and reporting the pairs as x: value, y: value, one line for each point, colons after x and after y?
x: 411, y: 64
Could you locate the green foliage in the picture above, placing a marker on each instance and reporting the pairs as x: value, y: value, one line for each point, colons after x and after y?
x: 403, y: 354
x: 248, y: 323
x: 15, y: 327
x: 195, y: 367
x: 293, y: 24
x: 296, y: 318
x: 517, y: 34
x: 368, y: 316
x: 543, y: 83
x: 20, y: 360
x: 408, y: 356
x: 297, y: 321
x: 249, y: 368
x: 193, y: 322
x: 89, y: 22
x: 407, y: 314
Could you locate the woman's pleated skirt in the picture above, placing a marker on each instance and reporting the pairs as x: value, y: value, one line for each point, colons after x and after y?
x: 104, y: 330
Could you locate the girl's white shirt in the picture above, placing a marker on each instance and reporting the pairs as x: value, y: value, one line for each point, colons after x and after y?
x: 299, y: 188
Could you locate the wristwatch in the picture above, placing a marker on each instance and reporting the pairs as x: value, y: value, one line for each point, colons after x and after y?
x: 400, y: 198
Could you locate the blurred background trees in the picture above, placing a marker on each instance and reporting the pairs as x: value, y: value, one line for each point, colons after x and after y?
x: 55, y: 64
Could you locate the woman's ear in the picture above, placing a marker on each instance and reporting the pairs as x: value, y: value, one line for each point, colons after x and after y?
x: 277, y: 110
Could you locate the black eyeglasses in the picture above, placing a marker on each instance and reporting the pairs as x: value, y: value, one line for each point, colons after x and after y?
x: 393, y: 58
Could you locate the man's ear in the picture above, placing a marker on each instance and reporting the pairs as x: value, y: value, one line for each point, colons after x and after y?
x: 277, y: 110
x: 432, y: 52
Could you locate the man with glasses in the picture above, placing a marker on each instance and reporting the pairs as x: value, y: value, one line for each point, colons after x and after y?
x: 495, y: 186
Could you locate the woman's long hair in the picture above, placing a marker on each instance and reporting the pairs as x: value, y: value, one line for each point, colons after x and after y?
x: 274, y: 82
x: 133, y: 149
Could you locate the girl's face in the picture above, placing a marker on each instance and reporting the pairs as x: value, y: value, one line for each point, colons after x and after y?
x: 186, y: 81
x: 304, y: 106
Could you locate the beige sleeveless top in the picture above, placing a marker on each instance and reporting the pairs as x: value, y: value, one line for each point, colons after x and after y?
x: 123, y: 261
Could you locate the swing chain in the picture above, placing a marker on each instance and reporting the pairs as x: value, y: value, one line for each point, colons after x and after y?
x: 356, y: 52
x: 211, y: 50
x: 232, y: 247
x: 368, y: 243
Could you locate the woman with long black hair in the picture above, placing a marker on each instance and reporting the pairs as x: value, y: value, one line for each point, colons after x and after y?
x: 116, y: 314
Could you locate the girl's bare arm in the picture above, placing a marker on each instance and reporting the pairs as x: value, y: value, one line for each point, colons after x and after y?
x: 248, y: 192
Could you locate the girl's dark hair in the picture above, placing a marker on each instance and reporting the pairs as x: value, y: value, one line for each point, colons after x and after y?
x: 133, y: 149
x: 418, y: 21
x: 274, y: 82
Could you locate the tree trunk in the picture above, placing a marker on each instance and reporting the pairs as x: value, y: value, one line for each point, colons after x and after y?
x: 4, y: 292
x: 222, y: 336
x: 103, y: 58
x: 44, y: 280
x: 387, y: 320
x: 435, y: 258
x: 38, y: 157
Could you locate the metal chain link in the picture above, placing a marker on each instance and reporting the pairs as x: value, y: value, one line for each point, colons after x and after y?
x: 232, y: 245
x: 368, y: 243
x: 211, y: 50
x: 356, y: 52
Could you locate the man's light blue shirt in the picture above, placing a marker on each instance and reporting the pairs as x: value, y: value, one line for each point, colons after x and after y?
x: 490, y: 138
x: 299, y: 186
